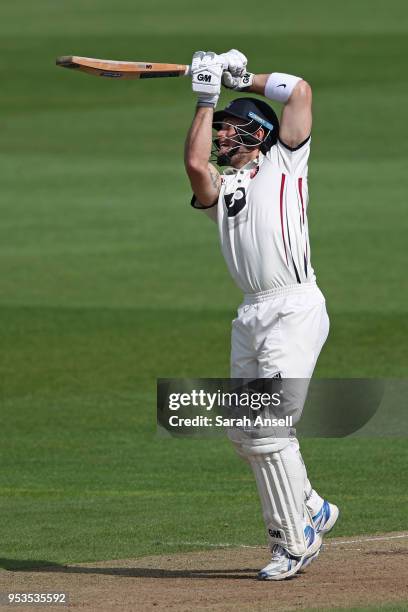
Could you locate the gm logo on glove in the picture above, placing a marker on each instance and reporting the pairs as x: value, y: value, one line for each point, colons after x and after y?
x: 204, y: 77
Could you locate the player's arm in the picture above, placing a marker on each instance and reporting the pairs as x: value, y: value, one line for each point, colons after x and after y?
x: 206, y: 72
x: 204, y: 178
x: 292, y: 91
x: 296, y: 95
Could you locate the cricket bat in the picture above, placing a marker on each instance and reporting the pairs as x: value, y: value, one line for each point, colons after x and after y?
x: 122, y: 70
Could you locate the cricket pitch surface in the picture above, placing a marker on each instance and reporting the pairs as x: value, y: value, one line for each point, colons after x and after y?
x: 350, y: 571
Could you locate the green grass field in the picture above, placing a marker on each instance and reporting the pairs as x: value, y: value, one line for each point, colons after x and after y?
x: 110, y: 280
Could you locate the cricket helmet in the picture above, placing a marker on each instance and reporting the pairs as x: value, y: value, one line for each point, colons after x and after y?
x: 255, y: 114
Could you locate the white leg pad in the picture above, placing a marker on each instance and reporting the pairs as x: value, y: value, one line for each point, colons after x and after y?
x: 313, y: 500
x: 280, y: 487
x: 280, y: 479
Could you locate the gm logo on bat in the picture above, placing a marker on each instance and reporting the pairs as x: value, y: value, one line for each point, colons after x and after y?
x: 204, y: 77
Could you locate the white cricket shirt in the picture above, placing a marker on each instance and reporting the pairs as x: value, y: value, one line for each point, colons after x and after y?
x: 262, y: 220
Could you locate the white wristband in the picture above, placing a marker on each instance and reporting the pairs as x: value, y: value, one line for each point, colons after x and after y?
x: 279, y: 86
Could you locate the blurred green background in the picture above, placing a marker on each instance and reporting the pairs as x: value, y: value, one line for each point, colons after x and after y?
x: 110, y: 280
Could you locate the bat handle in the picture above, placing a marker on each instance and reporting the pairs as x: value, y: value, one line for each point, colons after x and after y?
x: 188, y: 71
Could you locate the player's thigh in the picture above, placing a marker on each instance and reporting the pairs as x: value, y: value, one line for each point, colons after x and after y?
x: 292, y: 346
x: 304, y: 333
x: 243, y: 356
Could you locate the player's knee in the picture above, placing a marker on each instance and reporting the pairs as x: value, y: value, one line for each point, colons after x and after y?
x: 247, y: 446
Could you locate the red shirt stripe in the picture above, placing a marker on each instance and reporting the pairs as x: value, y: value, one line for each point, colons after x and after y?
x: 301, y: 198
x: 282, y: 188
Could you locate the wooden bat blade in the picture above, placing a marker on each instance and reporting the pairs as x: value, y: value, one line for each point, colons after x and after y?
x: 122, y: 70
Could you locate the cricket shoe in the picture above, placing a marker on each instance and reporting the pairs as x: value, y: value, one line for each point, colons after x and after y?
x: 284, y: 565
x: 307, y: 561
x: 323, y: 522
x: 326, y: 518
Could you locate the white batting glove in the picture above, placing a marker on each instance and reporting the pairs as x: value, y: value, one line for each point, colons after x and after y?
x: 236, y: 62
x: 239, y: 83
x: 206, y: 72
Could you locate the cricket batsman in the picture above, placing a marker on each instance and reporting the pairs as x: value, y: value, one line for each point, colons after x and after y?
x: 260, y: 206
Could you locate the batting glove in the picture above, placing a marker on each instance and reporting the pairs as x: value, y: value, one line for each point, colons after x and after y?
x: 236, y: 62
x: 239, y: 83
x: 206, y: 72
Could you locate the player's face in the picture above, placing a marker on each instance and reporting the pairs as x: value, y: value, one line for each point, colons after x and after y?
x: 226, y: 134
x: 227, y: 140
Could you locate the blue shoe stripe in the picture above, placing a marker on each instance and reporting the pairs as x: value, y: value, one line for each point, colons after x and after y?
x: 309, y: 535
x: 316, y: 516
x: 321, y: 518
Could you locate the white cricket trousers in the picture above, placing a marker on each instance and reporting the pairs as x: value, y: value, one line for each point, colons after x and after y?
x: 280, y: 331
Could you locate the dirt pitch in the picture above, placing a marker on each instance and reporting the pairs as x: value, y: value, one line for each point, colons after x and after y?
x: 355, y: 571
